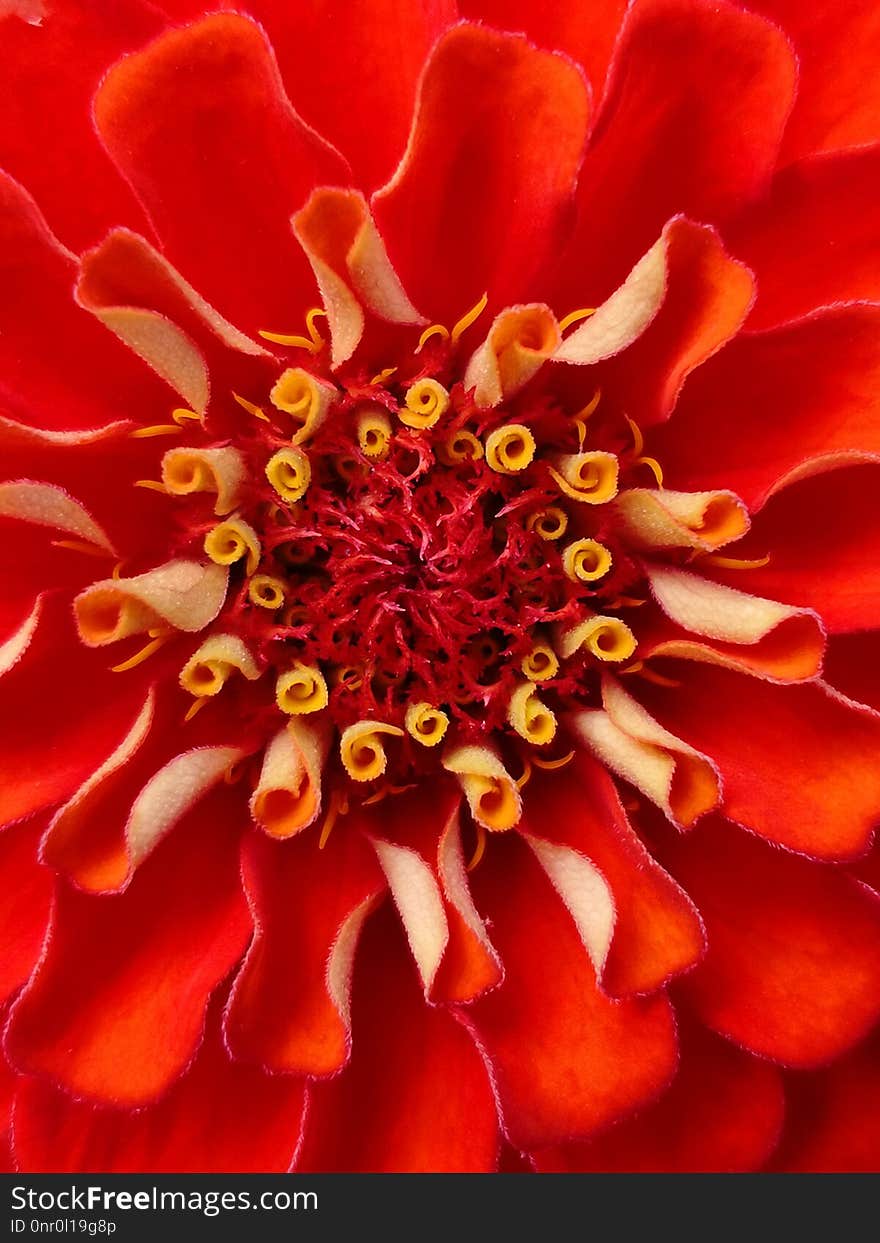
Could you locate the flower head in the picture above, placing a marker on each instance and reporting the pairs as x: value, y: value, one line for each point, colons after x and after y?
x: 423, y: 545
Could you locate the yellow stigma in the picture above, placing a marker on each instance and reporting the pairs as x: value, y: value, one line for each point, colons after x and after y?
x: 510, y: 448
x: 374, y: 433
x: 531, y: 719
x: 251, y: 407
x: 426, y: 724
x: 361, y: 749
x: 541, y: 663
x: 550, y: 523
x: 208, y: 669
x: 266, y: 591
x: 426, y: 401
x: 586, y: 560
x: 289, y: 473
x: 588, y: 477
x: 306, y: 399
x: 469, y: 317
x: 301, y: 690
x: 230, y: 541
x: 461, y: 446
x: 608, y: 638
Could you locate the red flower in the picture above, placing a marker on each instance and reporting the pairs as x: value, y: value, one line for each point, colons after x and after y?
x: 416, y: 746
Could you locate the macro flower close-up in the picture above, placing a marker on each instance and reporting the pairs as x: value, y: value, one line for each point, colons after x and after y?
x: 439, y: 694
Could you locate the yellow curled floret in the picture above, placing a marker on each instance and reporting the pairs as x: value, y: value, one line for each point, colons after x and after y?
x: 305, y: 398
x: 425, y: 723
x: 301, y: 690
x: 361, y: 749
x: 461, y: 446
x: 586, y: 560
x: 608, y: 638
x: 425, y: 402
x: 290, y: 473
x: 222, y: 471
x: 211, y: 665
x: 374, y: 433
x: 266, y: 591
x: 491, y: 792
x: 541, y: 663
x: 550, y: 523
x: 351, y: 677
x: 531, y: 718
x: 587, y: 477
x: 231, y: 540
x: 510, y: 448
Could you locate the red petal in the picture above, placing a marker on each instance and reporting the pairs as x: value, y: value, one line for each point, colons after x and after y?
x: 351, y: 69
x: 116, y: 1007
x: 482, y: 196
x: 778, y: 399
x: 47, y: 140
x: 126, y: 273
x: 586, y: 32
x: 200, y: 124
x: 823, y: 539
x: 691, y: 123
x: 814, y: 239
x: 657, y: 932
x: 722, y: 1114
x: 430, y: 826
x: 45, y: 754
x: 289, y: 1005
x: 832, y: 1121
x: 219, y: 1117
x: 26, y: 895
x: 838, y: 100
x: 707, y: 298
x: 852, y: 665
x: 793, y: 966
x: 61, y: 369
x: 798, y: 762
x: 89, y: 838
x: 97, y: 470
x: 416, y: 1097
x: 565, y: 1059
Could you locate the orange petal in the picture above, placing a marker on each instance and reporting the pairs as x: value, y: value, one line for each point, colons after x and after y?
x: 219, y: 1117
x: 199, y: 124
x: 798, y: 762
x: 723, y: 1113
x: 792, y: 397
x: 351, y: 266
x: 182, y: 593
x: 417, y: 1085
x: 116, y: 1008
x: 657, y: 932
x: 520, y: 341
x: 792, y: 971
x: 523, y: 117
x: 565, y: 1060
x: 732, y: 75
x: 682, y: 781
x: 819, y: 205
x: 661, y: 518
x: 745, y: 632
x: 289, y: 1012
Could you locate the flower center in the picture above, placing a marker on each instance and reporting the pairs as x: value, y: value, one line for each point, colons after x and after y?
x: 422, y: 579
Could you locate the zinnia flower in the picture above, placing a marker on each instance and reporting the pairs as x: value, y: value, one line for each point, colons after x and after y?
x: 439, y: 461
